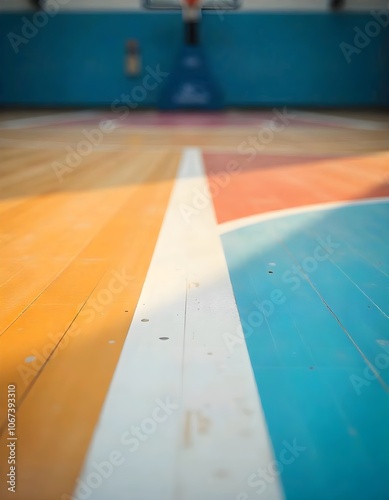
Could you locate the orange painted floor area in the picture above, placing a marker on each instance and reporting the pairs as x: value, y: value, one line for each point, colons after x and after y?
x: 265, y: 183
x: 74, y: 255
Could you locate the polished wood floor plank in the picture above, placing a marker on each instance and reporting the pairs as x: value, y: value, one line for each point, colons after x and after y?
x: 129, y: 241
x: 76, y: 243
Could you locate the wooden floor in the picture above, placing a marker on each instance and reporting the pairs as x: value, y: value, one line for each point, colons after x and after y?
x: 78, y: 233
x: 74, y: 255
x: 368, y: 132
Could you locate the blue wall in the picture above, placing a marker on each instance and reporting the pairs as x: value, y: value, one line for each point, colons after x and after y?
x: 258, y: 58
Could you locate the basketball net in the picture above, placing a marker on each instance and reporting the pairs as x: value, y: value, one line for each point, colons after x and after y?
x: 191, y: 10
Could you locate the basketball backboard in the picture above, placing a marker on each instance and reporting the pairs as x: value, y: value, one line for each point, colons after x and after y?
x: 205, y: 4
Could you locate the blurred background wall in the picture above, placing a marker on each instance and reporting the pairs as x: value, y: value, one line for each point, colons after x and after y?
x: 280, y: 52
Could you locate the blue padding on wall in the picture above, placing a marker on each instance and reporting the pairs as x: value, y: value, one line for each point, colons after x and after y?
x: 258, y: 58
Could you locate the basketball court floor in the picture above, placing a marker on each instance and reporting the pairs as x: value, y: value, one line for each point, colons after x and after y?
x: 195, y: 306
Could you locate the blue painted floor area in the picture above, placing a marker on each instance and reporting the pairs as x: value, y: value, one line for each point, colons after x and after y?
x: 313, y: 296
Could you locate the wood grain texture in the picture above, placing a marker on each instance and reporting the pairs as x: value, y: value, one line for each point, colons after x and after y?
x: 74, y: 254
x: 77, y: 236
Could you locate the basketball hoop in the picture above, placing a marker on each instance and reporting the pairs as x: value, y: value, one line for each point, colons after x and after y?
x: 191, y: 84
x: 194, y: 4
x: 191, y: 13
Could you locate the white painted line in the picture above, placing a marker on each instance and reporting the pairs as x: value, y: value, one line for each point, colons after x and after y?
x: 207, y: 148
x: 217, y: 437
x: 355, y: 123
x: 39, y: 121
x: 56, y: 145
x: 23, y: 144
x: 233, y: 225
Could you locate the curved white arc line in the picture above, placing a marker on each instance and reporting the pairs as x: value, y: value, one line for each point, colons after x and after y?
x: 235, y: 224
